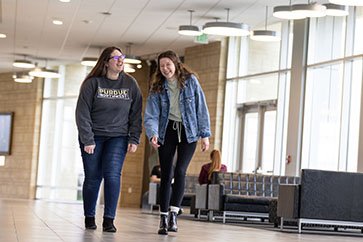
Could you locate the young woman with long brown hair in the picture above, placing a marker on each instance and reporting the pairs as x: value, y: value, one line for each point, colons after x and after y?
x: 108, y: 117
x: 176, y: 117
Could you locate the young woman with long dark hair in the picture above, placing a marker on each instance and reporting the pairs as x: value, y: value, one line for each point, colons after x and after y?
x: 109, y: 122
x: 176, y: 117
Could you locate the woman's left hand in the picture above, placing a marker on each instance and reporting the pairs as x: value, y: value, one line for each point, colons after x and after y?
x: 205, y: 144
x: 131, y: 148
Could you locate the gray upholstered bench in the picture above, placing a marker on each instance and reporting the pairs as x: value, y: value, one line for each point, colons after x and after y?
x: 324, y: 198
x: 188, y: 201
x: 237, y: 195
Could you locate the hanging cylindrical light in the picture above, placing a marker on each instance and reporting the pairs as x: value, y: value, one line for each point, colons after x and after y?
x: 226, y: 28
x: 44, y: 72
x: 23, y: 64
x: 310, y: 10
x: 265, y: 35
x: 131, y: 59
x: 348, y: 2
x: 129, y: 68
x: 22, y: 77
x: 285, y: 12
x: 190, y: 30
x: 89, y: 61
x: 336, y: 10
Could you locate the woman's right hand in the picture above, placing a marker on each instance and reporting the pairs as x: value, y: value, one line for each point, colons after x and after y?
x: 89, y: 149
x: 154, y: 142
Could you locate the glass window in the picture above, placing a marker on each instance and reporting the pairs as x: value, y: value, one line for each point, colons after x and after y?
x: 268, y: 142
x: 250, y: 141
x: 257, y: 88
x: 358, y: 33
x: 354, y: 108
x: 322, y: 117
x: 326, y: 39
x: 247, y: 60
x: 263, y: 56
x: 60, y: 168
x: 230, y: 127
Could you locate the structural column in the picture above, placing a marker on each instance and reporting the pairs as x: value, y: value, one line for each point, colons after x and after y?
x: 297, y: 97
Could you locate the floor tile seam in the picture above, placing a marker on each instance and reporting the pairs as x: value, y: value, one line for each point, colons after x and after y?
x: 55, y: 212
x: 15, y: 229
x: 44, y: 222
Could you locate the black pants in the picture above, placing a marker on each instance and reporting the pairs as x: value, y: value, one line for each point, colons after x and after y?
x: 166, y: 156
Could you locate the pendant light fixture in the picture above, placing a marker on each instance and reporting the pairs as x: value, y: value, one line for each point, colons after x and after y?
x: 265, y: 35
x: 190, y: 30
x: 348, y: 2
x: 23, y: 64
x: 22, y: 77
x: 44, y: 72
x: 309, y: 10
x: 226, y: 28
x: 285, y: 12
x: 131, y: 59
x: 129, y: 68
x: 336, y: 10
x: 89, y: 61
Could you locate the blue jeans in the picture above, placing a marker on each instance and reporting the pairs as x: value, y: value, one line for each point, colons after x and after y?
x: 105, y: 163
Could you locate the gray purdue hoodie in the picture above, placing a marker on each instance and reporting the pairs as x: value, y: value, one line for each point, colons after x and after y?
x: 111, y: 108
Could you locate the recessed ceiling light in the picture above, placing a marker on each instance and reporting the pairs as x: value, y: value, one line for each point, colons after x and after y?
x: 65, y: 1
x: 57, y: 22
x: 86, y: 21
x: 106, y: 13
x: 2, y: 36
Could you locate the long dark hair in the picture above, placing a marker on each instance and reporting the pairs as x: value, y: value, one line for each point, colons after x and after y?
x: 100, y: 68
x: 181, y: 72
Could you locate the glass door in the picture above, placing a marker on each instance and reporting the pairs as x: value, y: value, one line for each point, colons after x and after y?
x: 258, y: 121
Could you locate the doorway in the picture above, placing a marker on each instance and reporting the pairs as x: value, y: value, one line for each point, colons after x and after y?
x: 257, y: 125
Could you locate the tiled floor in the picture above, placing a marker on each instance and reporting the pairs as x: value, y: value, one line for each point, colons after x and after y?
x: 28, y: 221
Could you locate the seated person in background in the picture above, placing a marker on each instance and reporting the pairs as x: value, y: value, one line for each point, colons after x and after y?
x: 207, y: 169
x: 155, y: 174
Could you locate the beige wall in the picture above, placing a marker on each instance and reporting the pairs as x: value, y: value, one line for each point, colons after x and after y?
x: 18, y: 176
x: 132, y: 171
x: 209, y: 62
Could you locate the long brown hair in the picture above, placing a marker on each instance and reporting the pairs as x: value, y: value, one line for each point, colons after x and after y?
x: 216, y: 163
x: 181, y: 72
x: 100, y: 68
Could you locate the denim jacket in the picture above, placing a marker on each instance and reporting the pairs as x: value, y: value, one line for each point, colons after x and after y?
x: 193, y: 108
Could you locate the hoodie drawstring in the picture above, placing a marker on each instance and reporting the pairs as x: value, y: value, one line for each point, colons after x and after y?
x: 178, y: 126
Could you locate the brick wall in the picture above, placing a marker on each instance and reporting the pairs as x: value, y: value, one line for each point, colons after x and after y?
x: 18, y: 176
x: 132, y: 171
x: 209, y: 62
